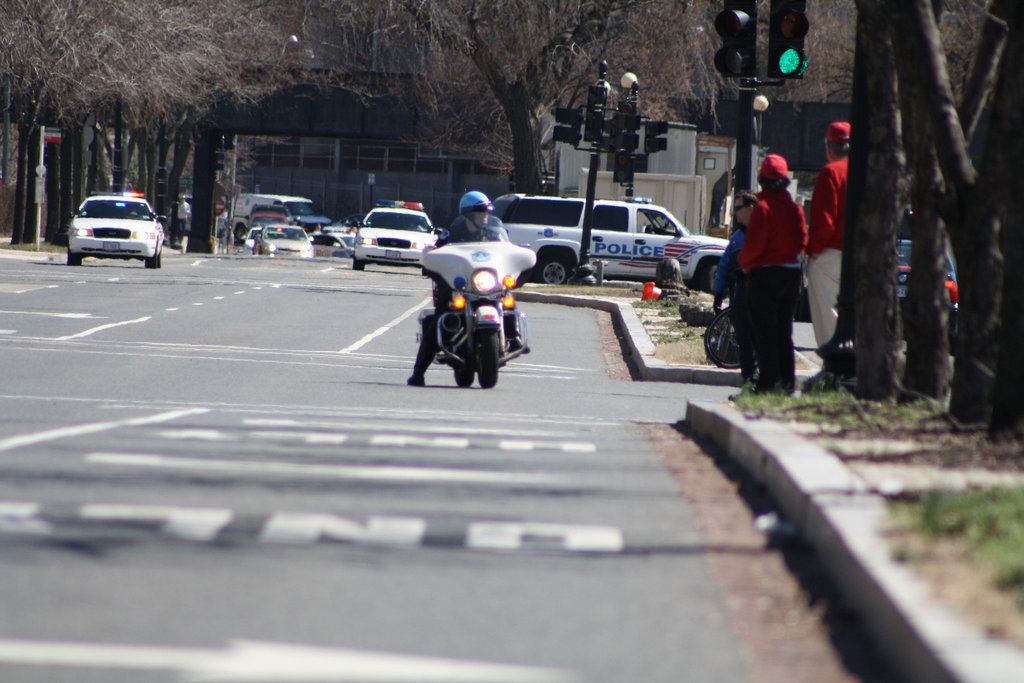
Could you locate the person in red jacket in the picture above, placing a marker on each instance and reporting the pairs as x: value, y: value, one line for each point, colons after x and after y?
x: 825, y: 238
x: 776, y: 237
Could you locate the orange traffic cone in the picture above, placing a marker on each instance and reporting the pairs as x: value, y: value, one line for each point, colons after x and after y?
x: 650, y: 292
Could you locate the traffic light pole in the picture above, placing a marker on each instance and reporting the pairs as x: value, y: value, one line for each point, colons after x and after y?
x: 745, y: 138
x: 584, y: 274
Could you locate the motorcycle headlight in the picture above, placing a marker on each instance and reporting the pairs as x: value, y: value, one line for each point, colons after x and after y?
x: 485, y: 281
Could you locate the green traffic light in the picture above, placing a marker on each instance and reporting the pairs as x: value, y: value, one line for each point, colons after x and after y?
x: 792, y: 62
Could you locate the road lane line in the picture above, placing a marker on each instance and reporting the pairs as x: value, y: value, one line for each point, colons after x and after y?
x: 381, y: 330
x: 80, y: 430
x: 384, y: 473
x: 51, y: 315
x: 108, y: 326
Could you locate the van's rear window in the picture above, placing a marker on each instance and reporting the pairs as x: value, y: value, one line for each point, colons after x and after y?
x: 551, y: 212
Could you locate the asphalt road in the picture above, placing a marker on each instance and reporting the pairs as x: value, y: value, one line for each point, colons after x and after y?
x: 216, y: 469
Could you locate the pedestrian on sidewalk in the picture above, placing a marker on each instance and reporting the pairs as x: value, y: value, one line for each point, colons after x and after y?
x: 731, y: 281
x: 776, y: 238
x: 825, y: 234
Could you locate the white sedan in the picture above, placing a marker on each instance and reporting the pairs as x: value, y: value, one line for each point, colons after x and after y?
x: 394, y: 237
x: 118, y: 227
x: 283, y: 240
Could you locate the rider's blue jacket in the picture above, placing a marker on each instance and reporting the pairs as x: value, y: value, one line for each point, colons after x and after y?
x: 728, y: 266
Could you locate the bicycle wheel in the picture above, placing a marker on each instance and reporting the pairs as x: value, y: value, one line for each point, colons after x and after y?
x: 720, y: 342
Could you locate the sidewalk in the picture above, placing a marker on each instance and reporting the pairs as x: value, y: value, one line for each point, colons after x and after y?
x: 838, y: 514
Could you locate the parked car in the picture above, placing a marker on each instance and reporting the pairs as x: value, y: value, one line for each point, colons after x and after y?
x: 393, y: 233
x: 116, y: 226
x: 333, y: 244
x: 903, y: 248
x: 250, y: 240
x: 282, y: 240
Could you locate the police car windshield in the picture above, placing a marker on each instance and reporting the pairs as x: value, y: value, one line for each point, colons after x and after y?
x: 393, y: 220
x: 115, y: 208
x: 285, y: 233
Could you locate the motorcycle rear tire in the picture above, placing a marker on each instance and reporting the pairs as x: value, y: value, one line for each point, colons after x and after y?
x: 487, y: 355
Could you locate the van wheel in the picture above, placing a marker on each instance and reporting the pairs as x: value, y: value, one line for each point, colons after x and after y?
x: 553, y: 269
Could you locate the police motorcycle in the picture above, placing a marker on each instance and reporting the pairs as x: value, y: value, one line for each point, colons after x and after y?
x: 482, y: 330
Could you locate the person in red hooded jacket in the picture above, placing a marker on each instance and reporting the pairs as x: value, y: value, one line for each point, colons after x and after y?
x: 825, y: 237
x: 776, y: 237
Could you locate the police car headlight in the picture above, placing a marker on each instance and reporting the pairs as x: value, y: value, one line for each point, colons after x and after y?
x: 83, y: 232
x: 485, y: 281
x: 142, y: 235
x: 368, y: 241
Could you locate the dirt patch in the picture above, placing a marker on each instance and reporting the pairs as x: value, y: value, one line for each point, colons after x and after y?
x: 779, y: 599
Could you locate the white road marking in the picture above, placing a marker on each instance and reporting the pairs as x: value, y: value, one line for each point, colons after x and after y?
x: 250, y: 660
x: 364, y: 425
x: 381, y: 330
x: 404, y: 440
x: 304, y: 527
x: 13, y: 442
x: 312, y: 438
x: 52, y: 315
x: 517, y: 535
x: 197, y: 435
x: 196, y: 524
x: 387, y: 473
x: 108, y: 326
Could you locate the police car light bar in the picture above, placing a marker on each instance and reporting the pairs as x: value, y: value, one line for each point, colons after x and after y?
x: 396, y: 204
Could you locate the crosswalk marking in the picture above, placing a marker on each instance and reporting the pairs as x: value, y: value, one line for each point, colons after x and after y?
x: 211, y: 525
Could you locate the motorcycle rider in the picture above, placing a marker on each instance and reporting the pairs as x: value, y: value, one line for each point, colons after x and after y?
x: 475, y: 223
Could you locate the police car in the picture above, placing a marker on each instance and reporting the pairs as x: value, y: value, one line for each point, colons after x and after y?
x: 116, y: 226
x: 629, y: 237
x: 393, y: 233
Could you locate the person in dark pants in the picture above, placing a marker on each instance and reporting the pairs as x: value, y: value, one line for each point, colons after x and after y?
x: 475, y: 223
x: 731, y: 281
x: 775, y: 240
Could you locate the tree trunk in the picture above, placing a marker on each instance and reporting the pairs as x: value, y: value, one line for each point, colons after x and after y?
x: 525, y: 141
x: 1007, y: 146
x: 21, y: 198
x: 925, y: 321
x: 878, y: 214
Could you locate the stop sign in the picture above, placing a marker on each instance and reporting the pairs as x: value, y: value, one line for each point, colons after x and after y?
x: 220, y: 205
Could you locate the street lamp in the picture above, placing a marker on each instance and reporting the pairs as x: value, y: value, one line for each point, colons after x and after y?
x: 584, y: 273
x: 760, y: 106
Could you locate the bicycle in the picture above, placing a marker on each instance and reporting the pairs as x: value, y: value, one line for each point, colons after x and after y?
x: 720, y: 343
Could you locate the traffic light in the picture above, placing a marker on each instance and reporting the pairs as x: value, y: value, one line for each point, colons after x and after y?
x: 569, y: 131
x: 622, y: 170
x: 627, y: 123
x: 786, y: 56
x: 737, y: 25
x: 654, y: 140
x: 594, y: 130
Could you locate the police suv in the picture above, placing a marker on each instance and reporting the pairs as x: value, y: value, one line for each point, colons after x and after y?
x: 116, y: 226
x: 629, y: 237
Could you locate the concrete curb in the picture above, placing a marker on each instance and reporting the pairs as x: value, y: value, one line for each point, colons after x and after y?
x: 641, y: 347
x: 844, y: 522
